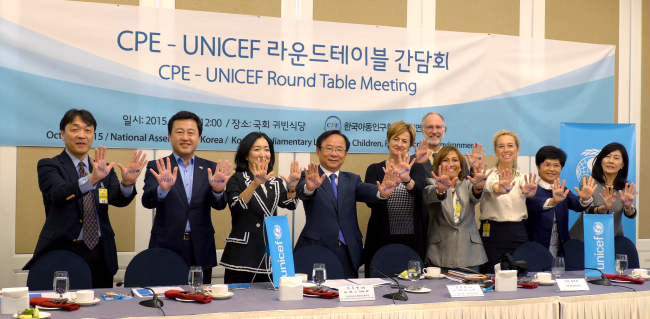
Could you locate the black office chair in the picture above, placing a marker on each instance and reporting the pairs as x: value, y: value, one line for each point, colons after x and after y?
x: 537, y: 257
x: 156, y: 267
x: 41, y: 273
x: 305, y: 258
x: 392, y: 259
x: 574, y: 254
x: 623, y: 245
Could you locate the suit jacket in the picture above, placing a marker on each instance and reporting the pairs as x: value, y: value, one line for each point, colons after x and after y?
x: 58, y: 180
x: 325, y: 215
x: 451, y: 245
x: 247, y: 238
x: 173, y: 211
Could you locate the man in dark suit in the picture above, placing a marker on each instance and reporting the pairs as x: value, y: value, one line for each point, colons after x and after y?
x: 77, y: 190
x: 330, y: 199
x: 182, y: 189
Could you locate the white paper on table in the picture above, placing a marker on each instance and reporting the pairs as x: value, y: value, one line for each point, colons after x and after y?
x: 369, y: 281
x: 336, y: 283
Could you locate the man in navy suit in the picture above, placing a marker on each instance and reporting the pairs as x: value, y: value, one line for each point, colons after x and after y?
x: 330, y: 199
x: 77, y: 190
x: 182, y: 188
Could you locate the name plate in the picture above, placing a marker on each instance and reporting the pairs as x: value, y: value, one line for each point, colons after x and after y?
x: 460, y: 291
x: 572, y: 284
x: 356, y: 293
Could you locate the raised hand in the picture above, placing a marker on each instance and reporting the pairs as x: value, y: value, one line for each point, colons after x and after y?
x: 165, y: 177
x: 480, y: 177
x: 312, y: 180
x: 220, y: 177
x: 559, y: 192
x: 133, y: 169
x: 390, y: 181
x: 530, y: 185
x: 403, y: 167
x: 100, y: 167
x: 588, y: 188
x: 260, y: 170
x: 443, y: 180
x: 504, y: 186
x: 422, y: 152
x: 477, y: 154
x: 628, y: 195
x: 294, y: 176
x: 608, y: 196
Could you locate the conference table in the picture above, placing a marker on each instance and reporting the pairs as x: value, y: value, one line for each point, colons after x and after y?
x: 262, y: 302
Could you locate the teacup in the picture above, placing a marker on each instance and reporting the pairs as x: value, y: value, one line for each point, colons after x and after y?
x: 543, y: 276
x: 640, y: 272
x: 219, y: 290
x: 85, y: 296
x: 431, y: 271
x: 303, y: 277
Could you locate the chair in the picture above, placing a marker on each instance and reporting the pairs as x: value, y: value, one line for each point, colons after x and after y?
x: 623, y: 245
x: 41, y: 273
x: 392, y: 259
x: 537, y: 256
x: 574, y: 254
x: 156, y: 267
x: 305, y: 258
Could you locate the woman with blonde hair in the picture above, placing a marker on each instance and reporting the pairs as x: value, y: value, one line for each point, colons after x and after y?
x: 400, y: 218
x: 503, y: 207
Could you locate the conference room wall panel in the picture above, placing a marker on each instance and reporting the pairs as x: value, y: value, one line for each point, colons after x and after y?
x: 390, y: 13
x: 30, y: 213
x: 644, y: 196
x: 265, y: 8
x: 480, y: 16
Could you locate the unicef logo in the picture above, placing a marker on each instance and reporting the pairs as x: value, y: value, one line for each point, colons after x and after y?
x: 277, y: 231
x: 587, y: 163
x: 332, y: 123
x: 599, y: 228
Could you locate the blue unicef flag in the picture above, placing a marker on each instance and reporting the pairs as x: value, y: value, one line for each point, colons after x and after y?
x: 279, y: 237
x: 582, y: 142
x: 599, y: 243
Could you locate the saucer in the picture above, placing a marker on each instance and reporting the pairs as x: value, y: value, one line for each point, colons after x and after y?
x: 41, y: 314
x: 544, y: 283
x: 224, y: 296
x: 419, y: 291
x: 86, y: 303
x: 434, y: 277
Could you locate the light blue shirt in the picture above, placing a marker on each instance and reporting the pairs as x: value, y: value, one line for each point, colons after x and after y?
x: 187, y: 175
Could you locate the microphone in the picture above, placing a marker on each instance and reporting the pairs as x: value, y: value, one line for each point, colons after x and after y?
x: 153, y: 303
x: 400, y: 295
x: 603, y: 281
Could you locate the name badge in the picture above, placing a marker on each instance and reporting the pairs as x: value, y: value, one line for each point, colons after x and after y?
x: 486, y: 229
x: 103, y: 194
x: 572, y: 284
x: 356, y: 293
x: 459, y: 291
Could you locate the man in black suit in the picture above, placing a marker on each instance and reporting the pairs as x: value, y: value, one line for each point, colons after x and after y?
x: 77, y: 190
x: 331, y: 206
x: 182, y: 189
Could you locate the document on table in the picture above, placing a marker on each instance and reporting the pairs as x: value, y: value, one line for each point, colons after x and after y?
x: 369, y: 281
x: 336, y: 283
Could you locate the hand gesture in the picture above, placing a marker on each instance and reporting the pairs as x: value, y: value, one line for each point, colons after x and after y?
x: 477, y: 154
x: 166, y: 178
x: 504, y: 185
x: 391, y: 180
x: 260, y: 170
x: 422, y: 152
x: 628, y: 195
x: 132, y: 170
x: 443, y: 181
x: 530, y: 185
x: 312, y: 180
x: 480, y: 177
x: 100, y: 168
x: 294, y: 176
x: 559, y: 193
x: 588, y: 188
x: 403, y: 167
x: 608, y: 196
x: 220, y: 177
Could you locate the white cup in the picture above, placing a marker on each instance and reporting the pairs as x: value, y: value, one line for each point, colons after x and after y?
x: 640, y: 272
x: 432, y: 271
x: 85, y: 296
x: 303, y: 277
x: 219, y: 290
x: 543, y: 276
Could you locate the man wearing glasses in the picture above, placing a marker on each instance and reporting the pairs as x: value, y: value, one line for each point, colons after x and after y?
x: 330, y: 199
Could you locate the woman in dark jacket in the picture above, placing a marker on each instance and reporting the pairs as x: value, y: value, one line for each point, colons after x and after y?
x: 253, y: 193
x: 400, y: 218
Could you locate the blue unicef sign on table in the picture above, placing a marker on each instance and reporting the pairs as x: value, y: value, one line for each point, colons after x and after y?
x: 599, y: 243
x: 279, y: 237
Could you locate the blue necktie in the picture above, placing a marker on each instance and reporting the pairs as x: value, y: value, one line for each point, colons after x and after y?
x: 336, y: 195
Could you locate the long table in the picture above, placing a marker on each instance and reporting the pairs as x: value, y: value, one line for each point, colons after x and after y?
x: 261, y: 302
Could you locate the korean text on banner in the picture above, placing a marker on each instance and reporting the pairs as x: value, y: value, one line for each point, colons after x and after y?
x: 279, y: 237
x: 599, y: 244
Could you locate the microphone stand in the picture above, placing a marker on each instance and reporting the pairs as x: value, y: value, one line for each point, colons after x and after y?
x: 153, y: 303
x: 400, y: 295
